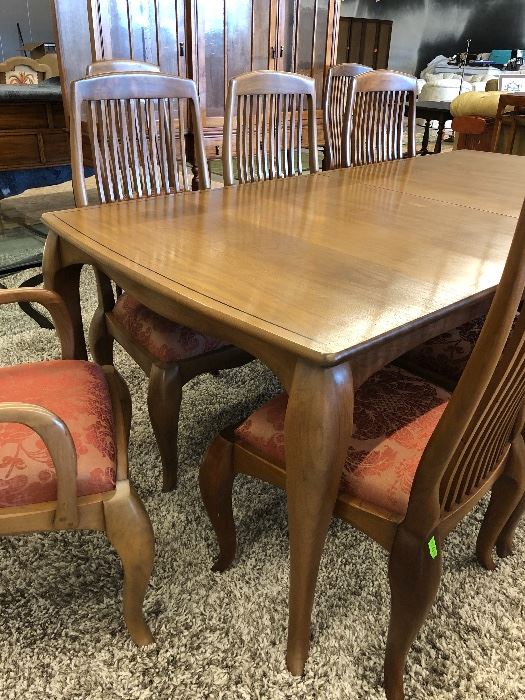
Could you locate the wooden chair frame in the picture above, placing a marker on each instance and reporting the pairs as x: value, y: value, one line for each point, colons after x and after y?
x: 166, y: 379
x: 476, y: 447
x: 268, y: 154
x: 389, y: 90
x: 337, y: 88
x: 118, y: 513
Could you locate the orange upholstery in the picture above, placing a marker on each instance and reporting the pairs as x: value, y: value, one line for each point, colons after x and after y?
x: 165, y: 340
x: 394, y: 416
x: 77, y: 393
x: 446, y: 355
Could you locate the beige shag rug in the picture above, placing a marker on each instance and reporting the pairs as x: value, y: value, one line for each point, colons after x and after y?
x: 223, y: 636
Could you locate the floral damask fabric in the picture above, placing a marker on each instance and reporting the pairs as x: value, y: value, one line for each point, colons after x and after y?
x: 446, y: 355
x: 395, y: 414
x: 76, y: 392
x: 165, y: 340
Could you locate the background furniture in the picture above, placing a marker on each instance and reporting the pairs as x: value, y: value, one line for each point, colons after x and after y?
x: 490, y: 121
x: 365, y: 41
x: 209, y: 42
x: 373, y: 125
x: 70, y: 436
x: 433, y: 111
x: 20, y: 70
x: 139, y: 150
x: 334, y: 107
x: 362, y: 301
x: 266, y: 108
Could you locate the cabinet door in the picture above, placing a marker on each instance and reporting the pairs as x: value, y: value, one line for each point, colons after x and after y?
x: 234, y: 37
x: 143, y: 30
x: 303, y: 30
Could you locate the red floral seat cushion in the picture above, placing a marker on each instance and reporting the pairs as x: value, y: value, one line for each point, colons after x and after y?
x: 77, y: 392
x: 166, y: 340
x: 395, y: 414
x: 444, y: 357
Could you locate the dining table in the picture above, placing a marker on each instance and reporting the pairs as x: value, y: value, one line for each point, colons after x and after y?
x: 325, y: 278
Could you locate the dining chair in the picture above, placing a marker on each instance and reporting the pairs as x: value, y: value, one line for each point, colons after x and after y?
x: 337, y: 87
x: 64, y: 429
x: 265, y: 108
x: 374, y: 121
x: 419, y: 461
x: 136, y: 126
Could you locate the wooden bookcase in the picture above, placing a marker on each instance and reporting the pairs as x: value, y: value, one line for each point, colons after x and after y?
x: 365, y: 41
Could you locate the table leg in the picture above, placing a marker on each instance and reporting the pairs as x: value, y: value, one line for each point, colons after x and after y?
x: 318, y: 428
x: 439, y: 139
x: 426, y: 138
x: 64, y: 279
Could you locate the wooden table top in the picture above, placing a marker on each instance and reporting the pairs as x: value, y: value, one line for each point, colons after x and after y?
x: 324, y: 264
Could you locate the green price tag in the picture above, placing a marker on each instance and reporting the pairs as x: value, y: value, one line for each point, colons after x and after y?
x: 432, y: 548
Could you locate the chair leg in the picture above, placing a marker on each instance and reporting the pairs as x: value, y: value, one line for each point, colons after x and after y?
x: 504, y: 544
x: 164, y: 400
x: 100, y: 341
x: 129, y: 530
x: 216, y: 478
x: 503, y: 512
x: 414, y: 578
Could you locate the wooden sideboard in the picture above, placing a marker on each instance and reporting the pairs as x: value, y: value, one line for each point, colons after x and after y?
x: 365, y: 41
x: 32, y: 128
x: 209, y: 41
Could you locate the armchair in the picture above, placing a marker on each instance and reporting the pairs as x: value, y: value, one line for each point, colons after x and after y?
x: 64, y: 428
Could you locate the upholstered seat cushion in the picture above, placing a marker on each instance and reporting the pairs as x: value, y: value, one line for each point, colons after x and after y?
x: 165, y: 340
x: 394, y: 416
x: 444, y: 357
x: 77, y: 392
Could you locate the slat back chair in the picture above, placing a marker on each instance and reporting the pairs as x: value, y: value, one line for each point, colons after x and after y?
x: 121, y: 65
x: 334, y: 106
x: 472, y: 444
x: 374, y: 121
x: 266, y: 109
x: 136, y: 125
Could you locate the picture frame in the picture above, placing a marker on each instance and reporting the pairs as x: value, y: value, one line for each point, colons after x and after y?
x: 512, y: 83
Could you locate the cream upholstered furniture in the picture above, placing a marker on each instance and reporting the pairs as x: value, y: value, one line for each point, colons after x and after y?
x: 334, y: 107
x: 419, y: 460
x: 374, y: 121
x: 64, y: 428
x: 21, y: 70
x: 266, y: 109
x: 138, y: 147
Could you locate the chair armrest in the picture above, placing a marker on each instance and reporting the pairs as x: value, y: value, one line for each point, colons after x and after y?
x: 59, y: 442
x: 56, y: 307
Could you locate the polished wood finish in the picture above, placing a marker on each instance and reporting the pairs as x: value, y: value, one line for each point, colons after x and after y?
x: 373, y: 124
x: 334, y: 106
x: 136, y: 126
x: 118, y: 513
x: 32, y: 134
x: 121, y: 65
x: 365, y: 41
x: 210, y: 42
x: 477, y: 446
x: 267, y: 110
x: 333, y: 278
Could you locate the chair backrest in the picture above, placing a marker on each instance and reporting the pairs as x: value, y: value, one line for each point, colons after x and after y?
x: 373, y: 127
x: 334, y: 106
x: 136, y: 127
x: 485, y: 412
x: 267, y: 107
x: 121, y: 65
x: 20, y: 70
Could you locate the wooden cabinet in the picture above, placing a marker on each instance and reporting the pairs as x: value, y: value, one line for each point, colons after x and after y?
x: 365, y: 41
x: 210, y: 41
